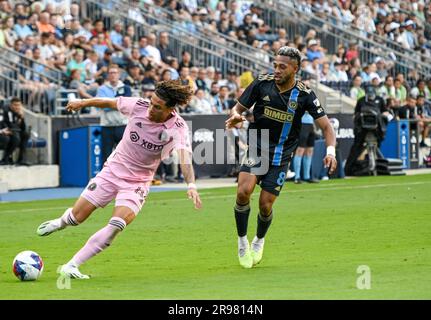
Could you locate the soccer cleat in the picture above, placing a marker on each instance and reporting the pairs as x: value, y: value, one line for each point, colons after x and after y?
x: 72, y: 272
x: 245, y: 259
x: 257, y: 251
x: 49, y: 227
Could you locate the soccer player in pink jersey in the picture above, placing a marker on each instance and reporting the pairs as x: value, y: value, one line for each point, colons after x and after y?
x: 154, y: 129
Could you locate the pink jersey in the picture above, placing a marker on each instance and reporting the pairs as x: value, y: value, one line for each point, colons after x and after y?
x: 145, y: 143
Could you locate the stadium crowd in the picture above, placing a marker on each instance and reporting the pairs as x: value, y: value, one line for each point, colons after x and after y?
x: 101, y: 61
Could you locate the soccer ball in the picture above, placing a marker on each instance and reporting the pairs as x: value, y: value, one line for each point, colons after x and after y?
x: 27, y: 266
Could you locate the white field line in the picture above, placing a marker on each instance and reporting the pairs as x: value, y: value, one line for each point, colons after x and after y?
x: 255, y: 193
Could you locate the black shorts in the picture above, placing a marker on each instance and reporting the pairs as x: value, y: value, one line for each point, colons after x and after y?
x: 273, y: 180
x: 307, y: 136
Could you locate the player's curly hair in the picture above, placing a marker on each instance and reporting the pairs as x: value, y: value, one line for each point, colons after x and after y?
x: 290, y: 52
x: 174, y: 93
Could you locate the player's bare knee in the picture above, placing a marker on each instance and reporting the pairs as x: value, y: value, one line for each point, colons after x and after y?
x: 243, y: 196
x: 265, y: 209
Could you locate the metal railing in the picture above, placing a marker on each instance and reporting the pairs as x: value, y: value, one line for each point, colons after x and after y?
x: 233, y: 43
x: 296, y: 22
x: 35, y: 83
x: 204, y: 51
x: 334, y: 22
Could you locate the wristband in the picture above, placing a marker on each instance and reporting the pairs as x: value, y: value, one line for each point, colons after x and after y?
x: 330, y: 151
x: 192, y: 186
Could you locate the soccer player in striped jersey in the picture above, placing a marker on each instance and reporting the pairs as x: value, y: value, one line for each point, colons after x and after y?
x: 279, y: 102
x: 154, y: 129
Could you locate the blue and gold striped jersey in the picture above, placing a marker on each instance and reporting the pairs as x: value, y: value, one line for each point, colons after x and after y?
x: 280, y: 113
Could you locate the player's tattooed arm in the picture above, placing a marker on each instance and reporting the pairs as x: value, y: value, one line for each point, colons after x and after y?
x: 236, y: 118
x: 77, y: 104
x: 189, y: 176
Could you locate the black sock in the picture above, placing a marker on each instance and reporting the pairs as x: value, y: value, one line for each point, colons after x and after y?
x: 263, y: 223
x: 241, y: 216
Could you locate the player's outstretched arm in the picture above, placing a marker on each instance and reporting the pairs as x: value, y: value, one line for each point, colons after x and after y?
x: 328, y: 133
x: 236, y: 116
x: 189, y: 176
x: 78, y: 104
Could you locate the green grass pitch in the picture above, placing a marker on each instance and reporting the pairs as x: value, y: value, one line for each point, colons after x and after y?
x: 320, y: 235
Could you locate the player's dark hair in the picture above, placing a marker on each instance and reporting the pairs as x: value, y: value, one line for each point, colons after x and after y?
x: 290, y: 52
x: 15, y: 100
x: 173, y: 92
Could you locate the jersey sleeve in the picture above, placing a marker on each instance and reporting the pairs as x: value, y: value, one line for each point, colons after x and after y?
x: 313, y: 106
x: 126, y: 105
x: 179, y: 139
x: 250, y: 95
x: 182, y: 140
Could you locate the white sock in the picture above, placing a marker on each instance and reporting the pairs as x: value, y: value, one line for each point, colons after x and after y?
x: 257, y: 243
x: 243, y: 242
x: 72, y: 263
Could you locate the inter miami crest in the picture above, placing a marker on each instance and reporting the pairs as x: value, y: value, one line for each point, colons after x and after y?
x: 92, y: 186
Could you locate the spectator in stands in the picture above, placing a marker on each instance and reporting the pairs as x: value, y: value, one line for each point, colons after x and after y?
x: 340, y: 72
x: 400, y: 93
x: 116, y: 35
x: 325, y: 74
x: 314, y: 51
x: 44, y: 25
x: 313, y: 68
x: 21, y: 28
x: 102, y: 65
x: 150, y: 76
x: 365, y: 21
x: 153, y: 52
x: 340, y: 55
x: 113, y: 121
x: 185, y: 77
x: 408, y: 37
x: 400, y: 76
x: 165, y: 52
x: 173, y: 68
x: 369, y: 72
x: 352, y: 52
x: 424, y: 118
x: 201, y: 80
x: 200, y: 104
x: 407, y: 111
x: 5, y: 137
x: 101, y: 44
x: 166, y: 75
x: 77, y: 63
x: 221, y: 103
x: 419, y: 89
x: 47, y: 50
x: 194, y: 74
x: 8, y: 31
x: 232, y: 80
x: 91, y: 68
x: 428, y: 89
x: 5, y: 9
x: 135, y: 79
x: 388, y: 89
x: 14, y: 132
x: 83, y: 90
x: 186, y: 60
x: 211, y: 75
x: 356, y: 92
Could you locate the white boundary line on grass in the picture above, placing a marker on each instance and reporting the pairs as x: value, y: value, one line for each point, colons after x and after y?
x: 256, y: 192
